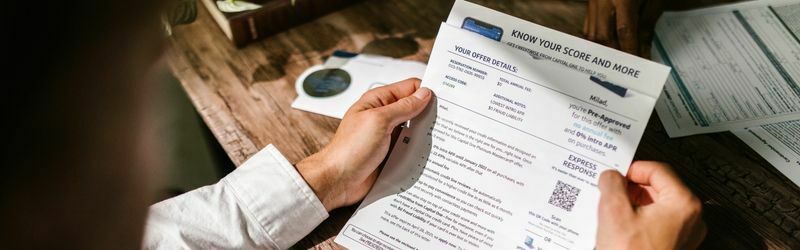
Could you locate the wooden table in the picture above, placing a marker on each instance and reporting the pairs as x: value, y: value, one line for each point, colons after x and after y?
x: 244, y: 97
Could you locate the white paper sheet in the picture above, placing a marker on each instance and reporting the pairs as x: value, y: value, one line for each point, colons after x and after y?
x: 366, y: 72
x: 734, y: 66
x: 508, y: 154
x: 779, y: 144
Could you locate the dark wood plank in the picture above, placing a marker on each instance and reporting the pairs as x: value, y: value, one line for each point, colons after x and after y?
x: 244, y: 96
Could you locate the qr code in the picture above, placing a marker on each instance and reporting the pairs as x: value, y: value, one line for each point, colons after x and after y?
x: 564, y: 196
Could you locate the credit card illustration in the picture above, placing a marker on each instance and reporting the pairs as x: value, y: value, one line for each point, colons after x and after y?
x: 483, y: 28
x: 616, y: 89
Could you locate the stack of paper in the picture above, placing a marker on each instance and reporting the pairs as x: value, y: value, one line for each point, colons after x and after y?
x: 735, y: 67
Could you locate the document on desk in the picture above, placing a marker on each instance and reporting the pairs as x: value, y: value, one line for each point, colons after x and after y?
x: 779, y: 144
x: 509, y: 151
x: 734, y: 66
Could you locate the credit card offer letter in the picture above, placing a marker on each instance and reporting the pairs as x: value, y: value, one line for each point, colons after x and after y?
x: 508, y: 153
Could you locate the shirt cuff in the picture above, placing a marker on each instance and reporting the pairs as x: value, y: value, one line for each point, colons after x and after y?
x: 276, y: 197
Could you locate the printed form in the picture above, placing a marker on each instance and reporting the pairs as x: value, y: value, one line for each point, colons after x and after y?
x: 508, y: 153
x: 779, y: 144
x: 734, y: 66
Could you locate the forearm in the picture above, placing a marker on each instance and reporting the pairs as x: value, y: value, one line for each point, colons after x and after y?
x: 263, y: 204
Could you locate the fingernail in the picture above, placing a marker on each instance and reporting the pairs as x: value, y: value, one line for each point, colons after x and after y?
x: 422, y: 93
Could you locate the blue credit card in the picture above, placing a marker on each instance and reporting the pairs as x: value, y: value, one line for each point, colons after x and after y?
x: 483, y: 28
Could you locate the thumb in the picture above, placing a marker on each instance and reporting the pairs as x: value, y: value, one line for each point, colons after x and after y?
x: 615, y: 206
x: 408, y: 107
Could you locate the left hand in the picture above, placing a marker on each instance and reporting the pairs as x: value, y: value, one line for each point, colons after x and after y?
x: 627, y: 25
x: 343, y: 172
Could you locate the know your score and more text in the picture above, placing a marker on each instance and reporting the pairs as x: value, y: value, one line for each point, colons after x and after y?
x: 576, y: 53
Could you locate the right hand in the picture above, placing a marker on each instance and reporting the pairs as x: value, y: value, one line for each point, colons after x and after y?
x: 652, y: 209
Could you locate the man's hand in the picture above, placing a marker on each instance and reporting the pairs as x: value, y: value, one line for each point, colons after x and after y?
x: 623, y: 24
x: 652, y: 209
x: 342, y: 173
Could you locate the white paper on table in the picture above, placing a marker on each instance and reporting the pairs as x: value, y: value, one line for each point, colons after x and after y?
x: 779, y: 144
x: 734, y: 66
x: 506, y: 158
x: 366, y: 72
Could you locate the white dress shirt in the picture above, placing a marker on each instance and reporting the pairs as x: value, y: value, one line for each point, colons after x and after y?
x: 262, y: 204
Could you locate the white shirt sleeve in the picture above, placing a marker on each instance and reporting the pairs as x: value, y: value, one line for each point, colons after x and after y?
x: 264, y: 203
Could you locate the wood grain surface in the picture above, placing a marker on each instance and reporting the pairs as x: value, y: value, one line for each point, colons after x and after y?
x: 244, y: 96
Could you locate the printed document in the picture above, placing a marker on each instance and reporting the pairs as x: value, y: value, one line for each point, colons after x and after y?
x: 508, y: 153
x: 734, y: 66
x: 779, y: 144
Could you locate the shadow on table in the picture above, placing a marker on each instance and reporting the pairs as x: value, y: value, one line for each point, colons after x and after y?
x: 728, y: 230
x: 403, y: 176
